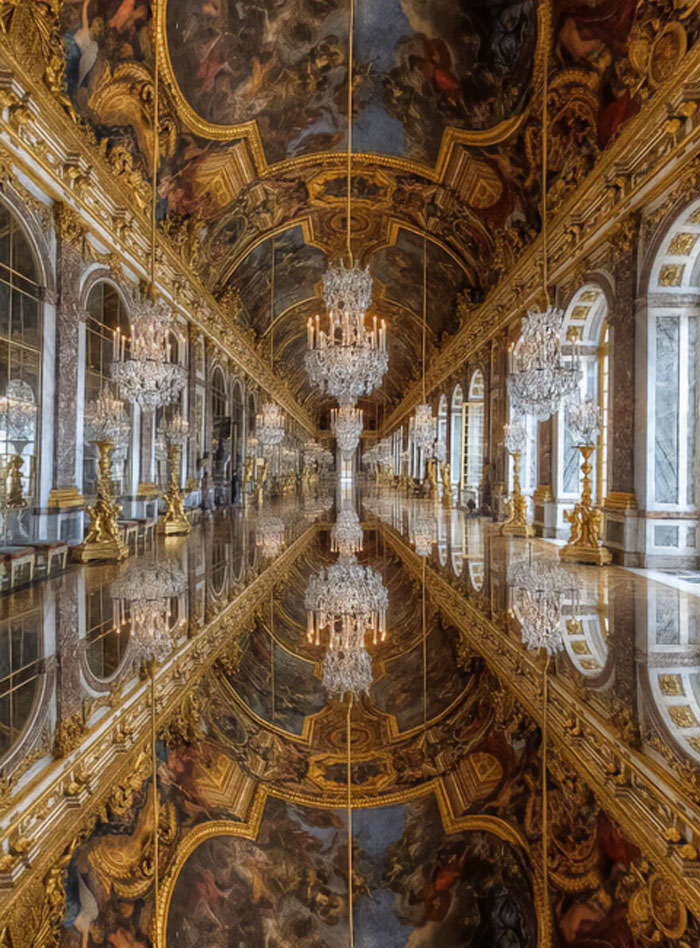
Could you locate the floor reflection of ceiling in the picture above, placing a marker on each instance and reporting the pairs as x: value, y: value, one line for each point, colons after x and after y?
x: 273, y: 707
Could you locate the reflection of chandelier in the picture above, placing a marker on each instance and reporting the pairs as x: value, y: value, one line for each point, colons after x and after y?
x: 346, y: 533
x: 540, y: 378
x: 147, y: 592
x: 538, y: 588
x: 270, y: 536
x: 346, y: 423
x: 422, y: 530
x: 147, y: 376
x: 106, y: 420
x: 349, y: 601
x: 385, y: 452
x: 584, y: 421
x: 269, y: 425
x: 349, y: 360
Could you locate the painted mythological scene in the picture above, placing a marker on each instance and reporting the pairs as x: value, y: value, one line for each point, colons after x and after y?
x: 419, y: 68
x: 413, y: 885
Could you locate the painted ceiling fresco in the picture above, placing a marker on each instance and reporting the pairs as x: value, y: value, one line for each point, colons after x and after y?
x: 253, y: 122
x: 418, y: 69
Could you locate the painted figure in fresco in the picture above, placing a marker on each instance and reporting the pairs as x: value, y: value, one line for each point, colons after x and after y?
x: 596, y: 34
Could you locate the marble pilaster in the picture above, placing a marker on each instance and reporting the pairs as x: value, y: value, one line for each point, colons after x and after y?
x: 69, y: 316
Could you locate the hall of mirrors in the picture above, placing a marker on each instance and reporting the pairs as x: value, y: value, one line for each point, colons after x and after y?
x: 349, y: 570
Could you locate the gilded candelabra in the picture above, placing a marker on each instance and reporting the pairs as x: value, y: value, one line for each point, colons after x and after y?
x: 15, y: 495
x: 515, y: 440
x: 446, y: 484
x: 584, y: 544
x: 102, y: 539
x: 173, y: 521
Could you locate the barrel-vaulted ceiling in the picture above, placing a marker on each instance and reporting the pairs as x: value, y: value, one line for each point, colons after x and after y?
x: 446, y: 138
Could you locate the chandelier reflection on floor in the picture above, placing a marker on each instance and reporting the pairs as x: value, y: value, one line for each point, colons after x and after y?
x: 346, y: 532
x: 346, y: 424
x: 540, y: 376
x: 142, y: 600
x: 270, y: 536
x: 538, y: 591
x: 422, y: 528
x: 145, y: 374
x: 348, y: 602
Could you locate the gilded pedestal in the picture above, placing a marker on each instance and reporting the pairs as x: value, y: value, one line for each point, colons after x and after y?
x: 516, y: 525
x: 584, y: 544
x: 103, y: 540
x: 174, y: 521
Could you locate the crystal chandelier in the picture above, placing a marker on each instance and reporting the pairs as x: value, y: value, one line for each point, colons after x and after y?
x: 269, y: 425
x: 385, y: 452
x: 176, y: 430
x: 349, y: 602
x: 349, y: 360
x: 145, y: 592
x: 270, y: 536
x: 346, y: 423
x: 146, y: 374
x: 538, y: 588
x: 515, y: 437
x: 584, y: 421
x: 106, y: 420
x: 19, y: 410
x: 424, y: 428
x: 540, y: 377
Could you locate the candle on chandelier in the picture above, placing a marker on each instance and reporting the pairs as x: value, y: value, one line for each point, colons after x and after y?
x: 383, y: 336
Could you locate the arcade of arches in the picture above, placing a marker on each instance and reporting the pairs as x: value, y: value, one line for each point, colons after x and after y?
x: 204, y: 739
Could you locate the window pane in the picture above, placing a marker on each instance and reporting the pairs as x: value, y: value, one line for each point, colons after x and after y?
x: 692, y: 412
x: 666, y: 414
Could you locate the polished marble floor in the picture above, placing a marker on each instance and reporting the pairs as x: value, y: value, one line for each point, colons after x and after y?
x: 628, y: 640
x: 199, y: 657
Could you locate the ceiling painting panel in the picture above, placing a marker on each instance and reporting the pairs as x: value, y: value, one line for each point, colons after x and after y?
x: 415, y: 884
x: 419, y: 68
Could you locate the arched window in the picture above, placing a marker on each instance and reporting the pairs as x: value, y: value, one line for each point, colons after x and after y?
x: 585, y: 327
x: 474, y: 430
x: 456, y: 424
x: 106, y: 312
x: 237, y: 449
x: 107, y: 632
x: 442, y: 427
x: 21, y: 675
x: 673, y: 361
x: 221, y: 431
x: 20, y: 352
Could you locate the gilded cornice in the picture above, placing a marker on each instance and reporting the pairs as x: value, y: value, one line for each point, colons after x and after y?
x: 42, y: 815
x: 62, y: 159
x: 655, y: 809
x: 654, y: 151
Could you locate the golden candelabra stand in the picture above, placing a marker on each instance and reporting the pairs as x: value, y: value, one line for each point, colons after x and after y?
x: 103, y: 538
x: 584, y: 544
x: 173, y: 521
x: 516, y: 525
x: 447, y: 496
x: 13, y: 474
